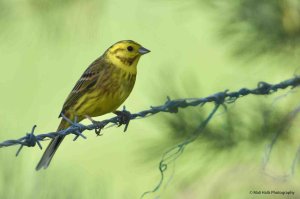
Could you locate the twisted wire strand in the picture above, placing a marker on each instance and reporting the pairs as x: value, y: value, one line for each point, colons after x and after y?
x: 170, y: 106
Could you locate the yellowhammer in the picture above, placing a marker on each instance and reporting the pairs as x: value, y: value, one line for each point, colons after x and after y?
x: 101, y: 89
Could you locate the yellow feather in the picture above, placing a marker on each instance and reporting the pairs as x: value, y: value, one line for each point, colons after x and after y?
x: 102, y: 88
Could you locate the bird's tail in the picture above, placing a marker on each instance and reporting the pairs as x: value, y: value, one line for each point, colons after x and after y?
x: 52, y: 147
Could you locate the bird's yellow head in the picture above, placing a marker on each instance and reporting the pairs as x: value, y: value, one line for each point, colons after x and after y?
x: 125, y: 54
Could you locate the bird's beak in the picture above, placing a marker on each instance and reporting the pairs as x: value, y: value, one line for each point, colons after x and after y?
x: 143, y: 50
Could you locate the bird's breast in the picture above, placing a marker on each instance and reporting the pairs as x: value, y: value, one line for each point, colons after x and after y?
x: 109, y: 95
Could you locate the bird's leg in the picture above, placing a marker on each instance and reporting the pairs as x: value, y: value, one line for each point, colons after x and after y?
x: 90, y: 118
x: 123, y: 118
x: 98, y: 125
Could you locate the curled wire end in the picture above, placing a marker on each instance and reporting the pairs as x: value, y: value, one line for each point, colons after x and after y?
x: 163, y: 166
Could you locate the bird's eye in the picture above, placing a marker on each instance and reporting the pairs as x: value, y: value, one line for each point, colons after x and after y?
x: 130, y: 48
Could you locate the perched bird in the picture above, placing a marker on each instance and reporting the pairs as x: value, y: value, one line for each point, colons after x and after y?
x: 101, y: 89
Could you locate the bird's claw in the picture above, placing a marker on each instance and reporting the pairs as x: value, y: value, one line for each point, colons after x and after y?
x: 124, y: 117
x: 99, y: 125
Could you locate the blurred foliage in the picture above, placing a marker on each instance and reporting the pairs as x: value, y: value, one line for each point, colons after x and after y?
x: 256, y: 125
x: 259, y: 27
x: 46, y: 45
x: 43, y: 6
x: 231, y: 128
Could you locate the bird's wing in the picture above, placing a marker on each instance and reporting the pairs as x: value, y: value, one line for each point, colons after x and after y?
x: 87, y: 81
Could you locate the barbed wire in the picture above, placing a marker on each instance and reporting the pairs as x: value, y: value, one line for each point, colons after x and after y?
x: 170, y: 156
x: 170, y: 106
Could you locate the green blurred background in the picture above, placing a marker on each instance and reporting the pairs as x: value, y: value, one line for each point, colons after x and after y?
x: 198, y: 48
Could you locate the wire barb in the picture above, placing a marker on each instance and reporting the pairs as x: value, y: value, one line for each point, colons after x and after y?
x: 170, y: 106
x: 30, y: 140
x: 123, y: 117
x: 79, y: 128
